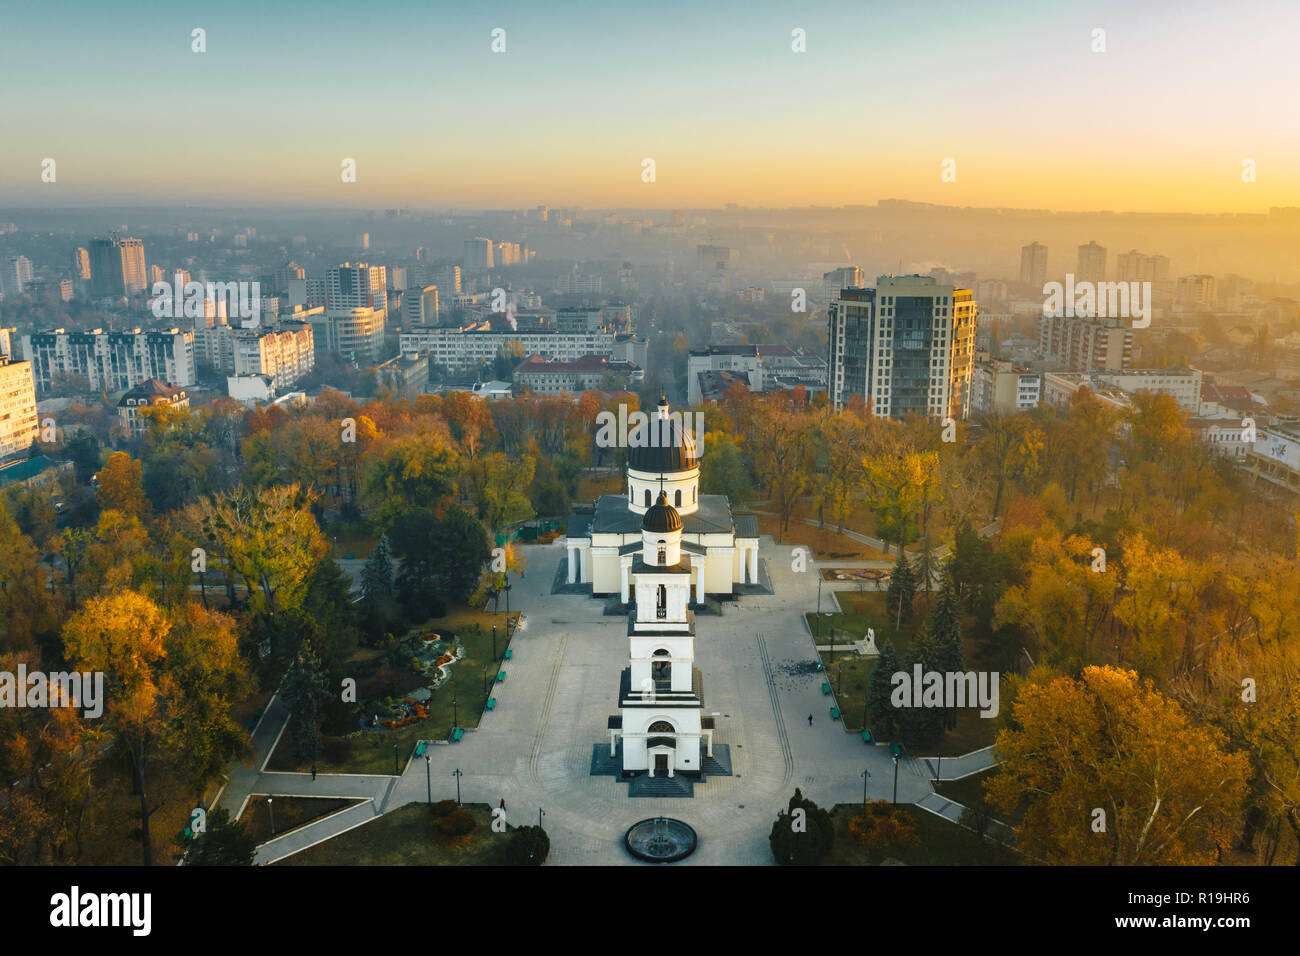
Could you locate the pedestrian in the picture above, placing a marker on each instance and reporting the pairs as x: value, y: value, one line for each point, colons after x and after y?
x: 313, y: 771
x: 810, y: 720
x: 503, y: 803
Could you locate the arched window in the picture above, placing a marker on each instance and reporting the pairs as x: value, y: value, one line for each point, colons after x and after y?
x: 647, y: 497
x: 662, y: 727
x: 677, y: 495
x: 661, y: 602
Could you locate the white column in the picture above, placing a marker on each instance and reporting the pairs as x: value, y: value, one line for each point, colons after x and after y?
x: 613, y: 745
x: 623, y: 582
x: 753, y: 564
x: 742, y: 568
x: 584, y: 565
x: 573, y: 565
x: 699, y: 582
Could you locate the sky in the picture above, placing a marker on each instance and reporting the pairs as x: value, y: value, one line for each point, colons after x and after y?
x: 1011, y: 92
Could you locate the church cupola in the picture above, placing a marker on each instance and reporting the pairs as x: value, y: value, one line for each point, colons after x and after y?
x: 663, y: 455
x: 661, y: 534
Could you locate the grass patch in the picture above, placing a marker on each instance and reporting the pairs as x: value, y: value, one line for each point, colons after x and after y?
x: 941, y: 843
x: 290, y: 813
x: 404, y: 838
x: 969, y: 792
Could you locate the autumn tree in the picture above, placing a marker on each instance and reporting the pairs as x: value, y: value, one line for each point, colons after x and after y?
x: 124, y: 636
x: 1111, y: 772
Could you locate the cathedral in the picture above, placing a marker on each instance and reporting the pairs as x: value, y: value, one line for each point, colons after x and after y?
x: 719, y: 550
x: 663, y: 548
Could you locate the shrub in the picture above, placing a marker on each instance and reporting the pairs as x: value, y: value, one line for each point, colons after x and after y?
x: 528, y: 846
x: 883, y: 825
x: 443, y: 808
x: 455, y: 824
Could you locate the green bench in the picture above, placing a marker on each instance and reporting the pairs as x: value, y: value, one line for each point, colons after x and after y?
x: 492, y: 703
x: 501, y: 675
x: 820, y: 666
x: 895, y: 750
x: 457, y: 734
x: 835, y: 713
x: 419, y: 749
x: 508, y: 654
x: 866, y: 737
x: 826, y: 687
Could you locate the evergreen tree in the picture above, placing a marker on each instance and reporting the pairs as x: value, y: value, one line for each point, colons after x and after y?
x: 881, y: 711
x: 920, y: 726
x: 945, y: 639
x: 377, y: 575
x: 802, y: 839
x: 902, y: 589
x: 225, y: 842
x: 304, y: 690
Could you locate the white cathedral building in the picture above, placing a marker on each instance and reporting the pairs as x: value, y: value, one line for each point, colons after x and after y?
x: 719, y: 550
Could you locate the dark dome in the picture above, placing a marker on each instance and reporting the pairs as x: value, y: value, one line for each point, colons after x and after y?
x: 663, y: 446
x: 661, y: 517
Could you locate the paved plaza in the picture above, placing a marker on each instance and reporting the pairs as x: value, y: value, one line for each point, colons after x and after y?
x: 535, y: 749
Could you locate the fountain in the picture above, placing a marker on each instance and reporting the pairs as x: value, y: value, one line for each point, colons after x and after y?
x: 660, y: 840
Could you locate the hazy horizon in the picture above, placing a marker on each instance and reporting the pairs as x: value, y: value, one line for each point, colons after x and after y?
x: 1013, y: 93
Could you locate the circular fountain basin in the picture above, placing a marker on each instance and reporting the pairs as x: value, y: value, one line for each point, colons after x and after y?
x: 660, y: 840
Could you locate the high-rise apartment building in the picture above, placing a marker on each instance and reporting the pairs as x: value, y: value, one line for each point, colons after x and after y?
x: 80, y: 263
x: 15, y: 278
x: 420, y: 306
x: 847, y: 277
x: 1033, y: 264
x: 479, y: 254
x: 111, y: 361
x: 117, y: 268
x: 1196, y: 293
x: 1084, y: 344
x: 355, y: 334
x: 1091, y: 266
x: 1134, y: 266
x: 18, y: 422
x: 906, y: 346
x: 359, y: 286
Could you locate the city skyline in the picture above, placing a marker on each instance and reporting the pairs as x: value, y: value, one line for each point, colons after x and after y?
x: 445, y: 121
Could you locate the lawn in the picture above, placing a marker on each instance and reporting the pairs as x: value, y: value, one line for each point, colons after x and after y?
x: 290, y: 813
x: 404, y: 838
x: 941, y: 843
x: 458, y: 702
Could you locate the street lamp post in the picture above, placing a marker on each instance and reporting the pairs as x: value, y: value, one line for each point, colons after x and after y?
x: 271, y: 808
x: 428, y: 777
x: 866, y: 775
x: 457, y: 774
x: 895, y: 780
x: 494, y: 642
x: 396, y: 771
x: 540, y: 813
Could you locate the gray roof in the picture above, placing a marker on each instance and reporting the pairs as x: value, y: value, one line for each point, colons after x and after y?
x: 613, y: 516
